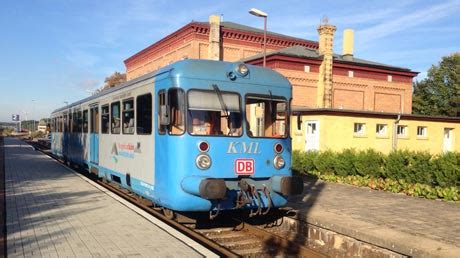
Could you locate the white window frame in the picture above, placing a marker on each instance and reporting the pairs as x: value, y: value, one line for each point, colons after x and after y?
x: 389, y: 78
x: 402, y: 131
x: 359, y: 129
x: 351, y: 74
x: 422, y: 132
x: 381, y: 130
x: 306, y: 68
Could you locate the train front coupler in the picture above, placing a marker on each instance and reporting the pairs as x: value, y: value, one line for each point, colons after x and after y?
x: 248, y: 194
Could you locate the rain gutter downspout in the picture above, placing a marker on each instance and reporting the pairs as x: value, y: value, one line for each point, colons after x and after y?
x: 394, y: 145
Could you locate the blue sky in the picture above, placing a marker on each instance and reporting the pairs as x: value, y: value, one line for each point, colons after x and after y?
x: 54, y: 51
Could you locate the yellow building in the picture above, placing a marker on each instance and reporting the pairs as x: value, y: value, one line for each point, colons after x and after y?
x: 335, y: 129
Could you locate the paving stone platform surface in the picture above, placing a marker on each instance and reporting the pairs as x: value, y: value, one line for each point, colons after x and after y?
x: 52, y: 212
x: 408, y: 225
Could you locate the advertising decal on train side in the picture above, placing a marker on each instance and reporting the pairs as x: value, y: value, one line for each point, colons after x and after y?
x: 125, y: 150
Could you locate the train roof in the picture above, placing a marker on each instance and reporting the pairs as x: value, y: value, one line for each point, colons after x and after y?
x: 199, y: 69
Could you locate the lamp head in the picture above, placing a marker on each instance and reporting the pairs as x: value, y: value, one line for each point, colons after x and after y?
x: 257, y: 12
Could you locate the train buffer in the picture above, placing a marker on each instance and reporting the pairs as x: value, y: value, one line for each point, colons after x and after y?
x: 52, y: 211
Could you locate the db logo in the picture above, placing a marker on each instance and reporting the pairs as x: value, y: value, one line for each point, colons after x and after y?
x: 244, y: 166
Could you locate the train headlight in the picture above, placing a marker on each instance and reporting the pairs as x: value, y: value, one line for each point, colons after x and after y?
x: 278, y: 162
x: 203, y: 161
x: 242, y: 69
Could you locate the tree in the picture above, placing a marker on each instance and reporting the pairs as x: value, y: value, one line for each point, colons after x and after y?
x: 439, y: 93
x: 113, y: 80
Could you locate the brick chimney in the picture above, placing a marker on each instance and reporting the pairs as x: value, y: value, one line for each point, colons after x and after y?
x: 214, y: 38
x: 326, y: 42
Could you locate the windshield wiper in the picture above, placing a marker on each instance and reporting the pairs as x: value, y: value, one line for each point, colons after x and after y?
x: 221, y: 100
x: 271, y: 102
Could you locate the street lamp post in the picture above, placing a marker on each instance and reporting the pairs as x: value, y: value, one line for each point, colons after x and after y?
x: 259, y: 13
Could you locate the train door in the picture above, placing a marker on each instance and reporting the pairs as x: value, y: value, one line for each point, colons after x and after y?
x: 312, y: 135
x: 94, y: 135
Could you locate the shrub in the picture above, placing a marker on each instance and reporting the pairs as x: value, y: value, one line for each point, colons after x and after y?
x: 303, y: 162
x: 325, y: 162
x: 447, y: 170
x: 396, y: 164
x: 308, y: 159
x: 421, y: 168
x: 344, y: 163
x: 369, y: 163
x: 414, y: 173
x: 296, y: 164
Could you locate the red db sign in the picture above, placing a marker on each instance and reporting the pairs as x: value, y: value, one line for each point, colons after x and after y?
x: 244, y: 166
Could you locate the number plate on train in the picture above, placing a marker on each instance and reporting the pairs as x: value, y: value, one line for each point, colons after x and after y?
x: 244, y: 166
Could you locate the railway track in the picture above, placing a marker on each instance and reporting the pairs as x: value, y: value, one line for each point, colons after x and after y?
x: 227, y: 236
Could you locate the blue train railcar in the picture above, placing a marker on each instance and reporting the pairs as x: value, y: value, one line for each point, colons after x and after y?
x: 197, y: 135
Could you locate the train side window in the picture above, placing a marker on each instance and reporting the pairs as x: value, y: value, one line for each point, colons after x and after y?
x: 75, y: 122
x: 67, y: 119
x: 144, y: 114
x: 94, y: 116
x: 85, y: 121
x: 162, y: 107
x: 61, y: 124
x: 70, y: 122
x: 105, y: 119
x: 115, y: 117
x: 176, y: 102
x: 79, y: 121
x: 128, y: 116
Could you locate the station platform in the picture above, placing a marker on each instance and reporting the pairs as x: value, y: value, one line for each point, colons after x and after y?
x: 407, y: 225
x: 53, y: 212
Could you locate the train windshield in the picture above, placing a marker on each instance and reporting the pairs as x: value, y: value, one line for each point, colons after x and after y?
x: 266, y: 116
x: 214, y: 113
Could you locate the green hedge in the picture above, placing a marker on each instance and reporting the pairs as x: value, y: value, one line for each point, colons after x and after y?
x: 406, y: 168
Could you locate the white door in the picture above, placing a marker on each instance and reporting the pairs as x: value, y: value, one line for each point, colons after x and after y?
x: 311, y: 135
x: 447, y: 139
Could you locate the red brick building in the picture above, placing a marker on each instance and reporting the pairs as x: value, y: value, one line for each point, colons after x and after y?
x: 320, y: 77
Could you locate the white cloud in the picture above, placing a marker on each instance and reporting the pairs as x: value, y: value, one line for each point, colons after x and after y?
x: 405, y: 22
x: 88, y: 84
x: 81, y: 58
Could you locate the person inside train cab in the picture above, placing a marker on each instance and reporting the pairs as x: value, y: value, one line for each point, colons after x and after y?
x: 234, y: 124
x: 205, y: 123
x: 200, y: 123
x: 248, y: 126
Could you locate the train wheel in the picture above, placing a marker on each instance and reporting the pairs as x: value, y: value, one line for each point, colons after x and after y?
x: 170, y: 214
